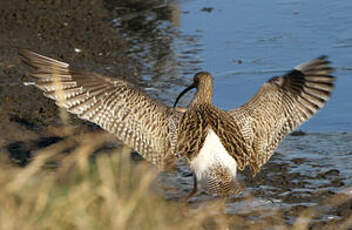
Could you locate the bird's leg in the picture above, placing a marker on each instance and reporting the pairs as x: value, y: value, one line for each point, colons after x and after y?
x: 194, y: 190
x: 195, y: 187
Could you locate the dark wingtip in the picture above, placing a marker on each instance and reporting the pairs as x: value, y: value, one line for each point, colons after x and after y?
x: 25, y: 55
x: 323, y: 57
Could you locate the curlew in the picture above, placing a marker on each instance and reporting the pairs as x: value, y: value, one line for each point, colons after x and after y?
x: 215, y: 143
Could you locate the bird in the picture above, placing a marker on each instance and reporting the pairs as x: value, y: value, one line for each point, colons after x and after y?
x: 216, y: 143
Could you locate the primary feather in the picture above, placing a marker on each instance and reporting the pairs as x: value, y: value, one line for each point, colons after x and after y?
x: 282, y: 104
x: 145, y: 124
x: 215, y: 142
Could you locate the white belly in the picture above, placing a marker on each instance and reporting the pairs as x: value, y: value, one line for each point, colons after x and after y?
x: 212, y: 153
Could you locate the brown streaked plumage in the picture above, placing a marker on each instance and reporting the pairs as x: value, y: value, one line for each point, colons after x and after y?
x: 117, y: 106
x: 214, y: 142
x: 282, y: 104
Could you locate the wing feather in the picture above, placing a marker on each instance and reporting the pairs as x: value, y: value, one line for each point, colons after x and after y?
x: 282, y: 104
x: 117, y: 106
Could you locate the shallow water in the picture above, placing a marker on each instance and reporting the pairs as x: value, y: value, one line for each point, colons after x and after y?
x: 243, y: 44
x: 304, y: 172
x: 270, y: 38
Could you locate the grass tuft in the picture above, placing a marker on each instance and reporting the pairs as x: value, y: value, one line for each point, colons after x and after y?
x: 109, y: 192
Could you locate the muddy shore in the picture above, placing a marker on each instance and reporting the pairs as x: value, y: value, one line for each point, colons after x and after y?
x: 82, y: 33
x: 77, y: 32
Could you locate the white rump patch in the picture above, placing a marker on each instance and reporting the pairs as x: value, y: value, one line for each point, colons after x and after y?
x: 212, y: 153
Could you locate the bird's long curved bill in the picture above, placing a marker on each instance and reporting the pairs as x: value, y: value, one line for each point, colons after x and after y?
x: 183, y: 92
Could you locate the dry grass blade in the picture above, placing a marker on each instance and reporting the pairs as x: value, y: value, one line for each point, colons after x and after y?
x: 113, y: 193
x: 109, y: 193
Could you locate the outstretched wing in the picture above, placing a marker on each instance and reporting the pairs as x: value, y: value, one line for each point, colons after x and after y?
x: 282, y: 104
x: 139, y: 121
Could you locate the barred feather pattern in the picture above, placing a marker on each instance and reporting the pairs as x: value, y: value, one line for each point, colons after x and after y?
x: 282, y: 104
x: 249, y: 134
x: 117, y: 106
x: 221, y: 181
x: 198, y: 120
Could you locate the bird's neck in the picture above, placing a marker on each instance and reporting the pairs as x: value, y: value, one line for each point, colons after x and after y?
x: 204, y: 94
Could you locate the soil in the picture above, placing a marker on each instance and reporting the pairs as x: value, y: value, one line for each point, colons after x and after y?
x: 76, y: 32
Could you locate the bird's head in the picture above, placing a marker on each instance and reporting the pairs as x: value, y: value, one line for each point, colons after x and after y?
x: 203, y: 82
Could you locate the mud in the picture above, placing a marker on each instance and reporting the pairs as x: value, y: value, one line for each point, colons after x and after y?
x: 308, y: 170
x: 58, y: 29
x: 302, y: 175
